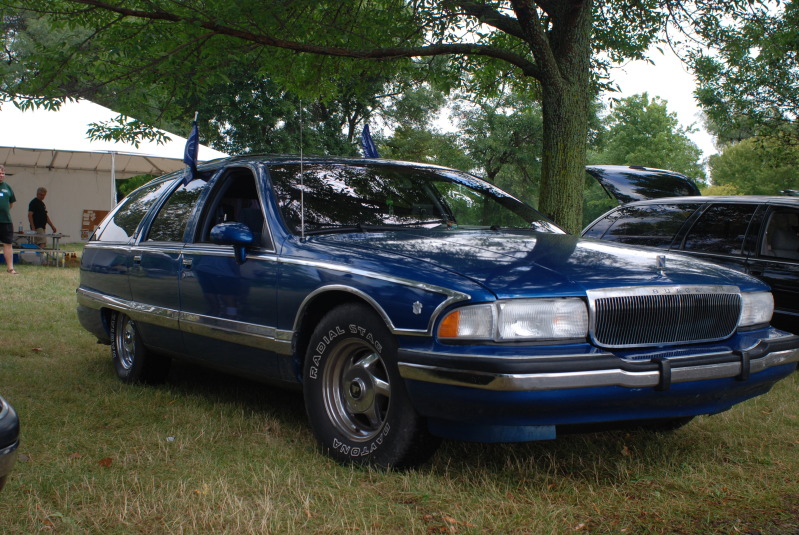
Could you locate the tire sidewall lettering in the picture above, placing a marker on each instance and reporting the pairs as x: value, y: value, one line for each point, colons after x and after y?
x: 366, y: 335
x: 355, y: 452
x: 395, y: 435
x: 330, y: 337
x: 321, y: 348
x: 114, y: 327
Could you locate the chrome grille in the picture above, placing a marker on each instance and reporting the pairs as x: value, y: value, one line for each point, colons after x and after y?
x: 652, y: 316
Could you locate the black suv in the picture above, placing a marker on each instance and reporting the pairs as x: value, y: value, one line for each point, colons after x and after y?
x: 754, y: 234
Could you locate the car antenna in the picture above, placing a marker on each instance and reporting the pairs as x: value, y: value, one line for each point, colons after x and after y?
x: 302, y: 184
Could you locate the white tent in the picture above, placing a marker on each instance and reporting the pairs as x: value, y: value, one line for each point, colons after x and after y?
x: 50, y: 149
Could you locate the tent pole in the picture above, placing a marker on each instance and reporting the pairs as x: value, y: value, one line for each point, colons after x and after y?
x: 113, y: 179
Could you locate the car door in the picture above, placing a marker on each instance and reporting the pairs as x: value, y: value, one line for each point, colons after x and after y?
x: 155, y: 266
x: 106, y: 259
x: 777, y: 263
x: 228, y: 313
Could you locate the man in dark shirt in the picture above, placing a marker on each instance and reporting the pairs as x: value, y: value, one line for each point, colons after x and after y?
x: 7, y: 201
x: 38, y: 218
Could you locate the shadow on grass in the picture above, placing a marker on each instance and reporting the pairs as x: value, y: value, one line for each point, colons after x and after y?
x: 284, y: 404
x: 589, y: 455
x: 584, y: 454
x: 610, y: 456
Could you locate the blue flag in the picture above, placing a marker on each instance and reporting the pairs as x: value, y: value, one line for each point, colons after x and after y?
x: 190, y: 152
x: 369, y: 148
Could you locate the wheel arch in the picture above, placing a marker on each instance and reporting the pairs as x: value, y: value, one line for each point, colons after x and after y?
x: 321, y: 302
x: 102, y: 325
x: 105, y: 316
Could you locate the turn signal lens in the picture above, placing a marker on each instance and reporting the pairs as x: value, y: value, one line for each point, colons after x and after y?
x: 474, y: 322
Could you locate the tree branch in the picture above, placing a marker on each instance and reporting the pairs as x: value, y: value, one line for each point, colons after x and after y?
x: 527, y: 67
x: 490, y: 16
x: 535, y: 35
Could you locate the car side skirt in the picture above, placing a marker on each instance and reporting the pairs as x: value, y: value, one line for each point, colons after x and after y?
x: 259, y: 336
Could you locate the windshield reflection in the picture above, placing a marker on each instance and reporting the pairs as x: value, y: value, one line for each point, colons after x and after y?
x: 360, y: 198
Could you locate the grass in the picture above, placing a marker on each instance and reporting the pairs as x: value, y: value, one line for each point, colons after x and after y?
x: 209, y: 454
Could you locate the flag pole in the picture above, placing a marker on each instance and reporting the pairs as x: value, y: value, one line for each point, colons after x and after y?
x: 302, y: 184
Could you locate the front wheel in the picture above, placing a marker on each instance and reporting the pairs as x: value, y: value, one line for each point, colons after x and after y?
x: 134, y: 363
x: 356, y: 401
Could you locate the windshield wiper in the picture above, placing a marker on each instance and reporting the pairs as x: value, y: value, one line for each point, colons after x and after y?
x: 362, y: 227
x: 334, y: 229
x: 432, y: 222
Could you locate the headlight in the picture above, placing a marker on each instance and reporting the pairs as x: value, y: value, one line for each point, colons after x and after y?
x: 756, y: 308
x: 518, y: 319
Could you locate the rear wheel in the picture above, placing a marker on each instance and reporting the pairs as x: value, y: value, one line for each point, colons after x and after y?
x: 134, y: 363
x: 356, y: 401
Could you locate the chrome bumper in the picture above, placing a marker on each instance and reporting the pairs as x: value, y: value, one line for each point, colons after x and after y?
x: 763, y: 355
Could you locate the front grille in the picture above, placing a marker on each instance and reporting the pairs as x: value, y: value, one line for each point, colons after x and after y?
x: 653, y: 316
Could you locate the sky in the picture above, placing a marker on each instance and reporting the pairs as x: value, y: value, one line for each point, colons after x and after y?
x: 670, y: 80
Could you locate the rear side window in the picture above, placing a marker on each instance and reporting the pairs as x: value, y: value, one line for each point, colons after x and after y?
x: 600, y: 227
x: 654, y: 225
x: 170, y: 223
x: 721, y: 229
x: 121, y: 225
x: 782, y: 234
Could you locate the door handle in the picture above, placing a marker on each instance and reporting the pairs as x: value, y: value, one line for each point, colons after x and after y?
x: 187, y: 263
x: 137, y: 259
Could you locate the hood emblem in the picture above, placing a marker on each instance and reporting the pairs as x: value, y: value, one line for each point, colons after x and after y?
x: 661, y: 263
x: 417, y: 308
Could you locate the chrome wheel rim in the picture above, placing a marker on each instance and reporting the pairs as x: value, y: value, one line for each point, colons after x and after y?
x: 126, y: 343
x: 356, y: 390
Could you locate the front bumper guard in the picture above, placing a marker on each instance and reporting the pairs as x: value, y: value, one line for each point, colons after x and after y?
x: 741, y: 364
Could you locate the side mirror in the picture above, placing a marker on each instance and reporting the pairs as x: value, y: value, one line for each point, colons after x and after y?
x: 238, y: 235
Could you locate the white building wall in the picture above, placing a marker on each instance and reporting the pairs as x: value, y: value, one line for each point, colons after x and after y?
x: 68, y: 194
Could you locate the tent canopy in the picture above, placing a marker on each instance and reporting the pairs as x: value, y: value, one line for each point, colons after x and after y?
x: 42, y: 148
x: 123, y: 165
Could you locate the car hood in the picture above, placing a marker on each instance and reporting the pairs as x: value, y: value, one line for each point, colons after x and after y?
x: 634, y: 183
x: 525, y: 263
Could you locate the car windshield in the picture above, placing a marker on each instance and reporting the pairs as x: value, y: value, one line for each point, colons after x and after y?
x: 360, y: 198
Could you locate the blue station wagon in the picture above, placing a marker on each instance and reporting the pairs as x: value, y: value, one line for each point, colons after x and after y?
x: 411, y: 302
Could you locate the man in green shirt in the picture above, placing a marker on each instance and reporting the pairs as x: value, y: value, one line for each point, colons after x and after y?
x: 7, y: 200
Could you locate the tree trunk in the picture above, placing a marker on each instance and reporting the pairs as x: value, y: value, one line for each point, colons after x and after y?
x: 563, y: 56
x: 563, y: 161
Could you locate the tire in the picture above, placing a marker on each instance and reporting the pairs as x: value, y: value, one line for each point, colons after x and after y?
x: 134, y: 363
x: 357, y: 405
